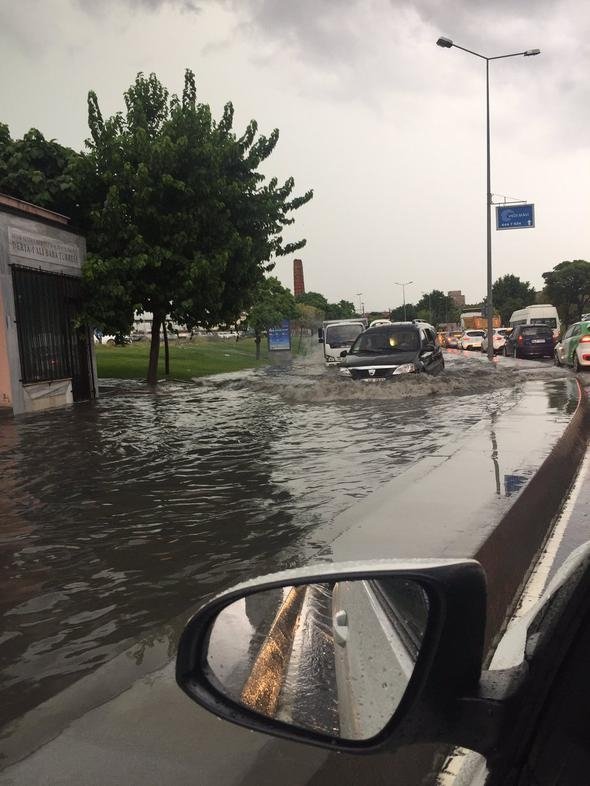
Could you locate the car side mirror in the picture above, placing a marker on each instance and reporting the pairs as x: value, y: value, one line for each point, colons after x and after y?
x: 350, y: 657
x: 428, y: 348
x: 344, y: 353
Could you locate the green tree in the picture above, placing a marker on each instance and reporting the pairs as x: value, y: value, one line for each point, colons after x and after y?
x: 397, y: 314
x: 272, y: 303
x: 40, y: 171
x: 308, y: 316
x: 509, y: 294
x: 315, y: 300
x: 567, y: 287
x: 182, y: 222
x: 436, y: 307
x: 344, y: 309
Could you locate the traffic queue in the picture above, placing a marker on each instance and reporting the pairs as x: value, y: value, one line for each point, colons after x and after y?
x: 386, y: 350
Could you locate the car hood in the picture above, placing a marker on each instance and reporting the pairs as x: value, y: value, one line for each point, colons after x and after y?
x: 390, y: 359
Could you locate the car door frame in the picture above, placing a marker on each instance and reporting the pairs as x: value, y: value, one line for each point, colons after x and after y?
x: 428, y: 340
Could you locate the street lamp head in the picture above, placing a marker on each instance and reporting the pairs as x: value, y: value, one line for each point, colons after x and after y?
x: 531, y: 52
x: 446, y: 43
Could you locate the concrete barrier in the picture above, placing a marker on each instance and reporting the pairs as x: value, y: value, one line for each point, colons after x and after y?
x: 509, y: 551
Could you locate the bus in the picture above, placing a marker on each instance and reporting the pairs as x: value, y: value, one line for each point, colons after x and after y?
x: 540, y: 314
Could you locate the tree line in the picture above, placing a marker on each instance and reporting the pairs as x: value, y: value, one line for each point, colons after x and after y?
x: 567, y: 287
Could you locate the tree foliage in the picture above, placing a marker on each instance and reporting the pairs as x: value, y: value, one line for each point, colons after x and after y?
x: 182, y: 222
x: 272, y: 303
x: 314, y: 299
x: 40, y: 171
x: 437, y: 308
x: 308, y: 316
x: 567, y: 287
x: 344, y: 309
x: 400, y: 314
x: 509, y: 294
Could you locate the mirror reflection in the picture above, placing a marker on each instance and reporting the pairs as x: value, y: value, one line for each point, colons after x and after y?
x: 335, y: 658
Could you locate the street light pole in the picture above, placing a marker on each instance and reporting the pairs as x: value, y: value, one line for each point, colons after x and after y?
x: 361, y: 307
x: 446, y: 43
x: 403, y: 285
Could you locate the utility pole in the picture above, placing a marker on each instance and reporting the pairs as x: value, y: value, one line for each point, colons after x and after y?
x: 403, y: 285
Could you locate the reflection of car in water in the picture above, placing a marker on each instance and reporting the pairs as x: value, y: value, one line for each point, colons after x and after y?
x: 386, y: 352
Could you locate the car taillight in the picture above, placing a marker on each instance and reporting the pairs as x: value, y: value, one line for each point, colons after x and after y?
x: 520, y: 339
x: 585, y: 340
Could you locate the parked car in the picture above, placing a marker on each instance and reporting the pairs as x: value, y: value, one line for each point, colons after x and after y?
x: 530, y: 341
x: 498, y: 340
x: 471, y: 339
x: 110, y: 339
x: 388, y: 351
x: 574, y: 348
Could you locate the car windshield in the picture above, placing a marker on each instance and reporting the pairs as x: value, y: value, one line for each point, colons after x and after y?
x: 384, y: 340
x: 341, y: 335
x: 550, y: 321
x: 475, y: 333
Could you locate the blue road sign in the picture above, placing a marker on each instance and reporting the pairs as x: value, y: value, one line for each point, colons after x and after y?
x: 515, y: 216
x: 279, y: 338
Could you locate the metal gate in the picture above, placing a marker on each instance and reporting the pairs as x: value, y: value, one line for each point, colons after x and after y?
x: 50, y: 345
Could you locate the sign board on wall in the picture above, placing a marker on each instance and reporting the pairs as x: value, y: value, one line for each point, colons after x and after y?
x: 515, y: 216
x: 279, y: 338
x: 39, y: 248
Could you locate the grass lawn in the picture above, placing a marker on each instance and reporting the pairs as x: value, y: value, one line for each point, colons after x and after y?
x: 188, y: 359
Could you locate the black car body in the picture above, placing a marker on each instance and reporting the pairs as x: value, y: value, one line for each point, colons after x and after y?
x: 530, y: 341
x: 388, y: 352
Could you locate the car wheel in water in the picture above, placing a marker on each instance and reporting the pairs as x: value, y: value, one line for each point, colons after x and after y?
x: 515, y: 353
x: 556, y: 359
x: 577, y: 366
x: 111, y: 342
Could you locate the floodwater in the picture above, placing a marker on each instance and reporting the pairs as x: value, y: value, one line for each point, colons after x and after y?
x: 118, y: 516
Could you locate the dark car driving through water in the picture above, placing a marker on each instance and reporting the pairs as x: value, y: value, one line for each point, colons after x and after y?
x: 387, y: 352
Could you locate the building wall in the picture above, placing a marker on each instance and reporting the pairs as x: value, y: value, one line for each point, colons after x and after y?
x: 457, y: 297
x: 40, y: 246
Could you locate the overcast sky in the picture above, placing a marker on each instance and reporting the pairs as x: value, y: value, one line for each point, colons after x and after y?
x: 387, y: 128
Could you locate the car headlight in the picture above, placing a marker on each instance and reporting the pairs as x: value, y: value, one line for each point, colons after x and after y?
x: 345, y: 372
x: 405, y: 368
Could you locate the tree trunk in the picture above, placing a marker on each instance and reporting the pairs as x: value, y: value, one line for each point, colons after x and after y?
x: 257, y: 340
x: 166, y: 351
x: 152, y: 376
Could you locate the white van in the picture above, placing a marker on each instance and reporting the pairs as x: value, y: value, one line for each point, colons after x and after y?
x: 338, y: 335
x: 541, y: 314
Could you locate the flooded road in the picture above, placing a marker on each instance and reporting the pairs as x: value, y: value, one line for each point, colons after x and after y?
x: 118, y: 516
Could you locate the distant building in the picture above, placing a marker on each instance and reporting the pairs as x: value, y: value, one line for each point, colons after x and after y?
x: 298, y: 282
x: 46, y: 358
x: 457, y: 297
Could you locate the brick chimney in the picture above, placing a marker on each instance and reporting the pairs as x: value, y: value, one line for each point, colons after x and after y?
x: 298, y: 283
